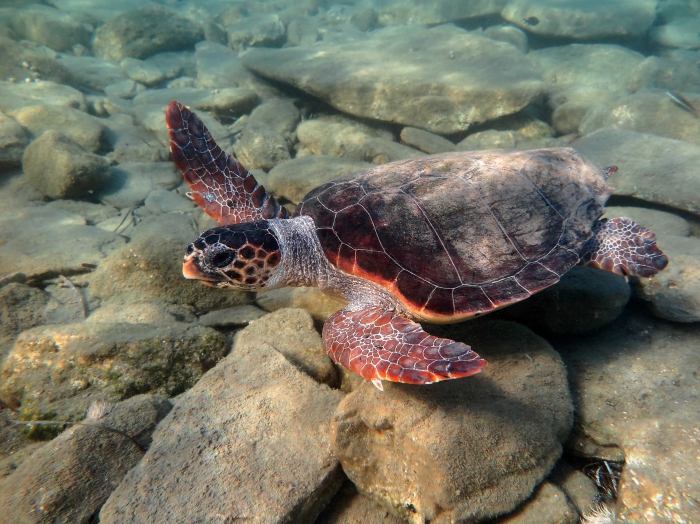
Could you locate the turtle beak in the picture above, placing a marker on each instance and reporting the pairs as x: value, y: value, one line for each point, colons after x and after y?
x: 191, y: 271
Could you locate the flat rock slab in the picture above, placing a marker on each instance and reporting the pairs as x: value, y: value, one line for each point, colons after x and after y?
x: 43, y: 242
x: 652, y: 168
x: 442, y: 79
x: 229, y: 101
x: 70, y: 478
x: 392, y: 12
x: 460, y: 450
x: 636, y: 385
x: 582, y: 19
x: 249, y: 441
x: 14, y: 96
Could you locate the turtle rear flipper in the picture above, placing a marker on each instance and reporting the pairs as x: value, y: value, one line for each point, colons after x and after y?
x: 220, y: 184
x: 380, y: 345
x: 624, y: 247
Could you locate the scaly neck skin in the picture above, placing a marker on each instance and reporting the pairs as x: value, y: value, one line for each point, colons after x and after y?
x: 303, y: 261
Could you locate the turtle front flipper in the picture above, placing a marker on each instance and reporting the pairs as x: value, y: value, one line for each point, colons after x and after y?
x: 380, y: 345
x: 220, y: 184
x: 624, y: 247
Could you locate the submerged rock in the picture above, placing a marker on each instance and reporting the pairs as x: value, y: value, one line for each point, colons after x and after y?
x: 341, y: 137
x: 54, y: 372
x: 13, y: 140
x: 294, y: 178
x: 251, y: 438
x: 548, y: 505
x: 635, y: 385
x: 21, y: 307
x: 59, y: 167
x: 131, y: 182
x: 584, y: 300
x: 87, y: 130
x: 652, y: 168
x: 582, y: 19
x: 145, y: 31
x: 393, y: 12
x: 70, y: 478
x: 51, y: 27
x: 426, y: 141
x: 14, y: 96
x: 442, y: 79
x: 464, y: 449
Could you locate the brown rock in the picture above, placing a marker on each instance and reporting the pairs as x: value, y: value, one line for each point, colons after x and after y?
x: 21, y: 307
x: 349, y: 507
x: 426, y: 141
x: 460, y: 450
x: 69, y: 479
x: 250, y: 440
x: 548, y: 505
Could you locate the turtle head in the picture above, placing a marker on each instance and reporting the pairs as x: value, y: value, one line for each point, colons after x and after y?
x: 242, y: 256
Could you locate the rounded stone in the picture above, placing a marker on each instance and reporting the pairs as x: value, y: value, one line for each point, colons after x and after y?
x: 460, y: 450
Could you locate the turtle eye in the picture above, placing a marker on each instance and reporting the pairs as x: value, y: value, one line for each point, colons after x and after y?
x: 221, y: 259
x: 190, y: 249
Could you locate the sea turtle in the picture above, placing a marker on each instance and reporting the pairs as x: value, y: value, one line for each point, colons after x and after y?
x: 441, y: 238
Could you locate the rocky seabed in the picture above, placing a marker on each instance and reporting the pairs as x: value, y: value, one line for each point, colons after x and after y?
x: 131, y: 395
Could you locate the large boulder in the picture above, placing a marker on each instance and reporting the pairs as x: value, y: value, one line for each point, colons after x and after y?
x: 145, y: 31
x: 635, y: 386
x: 442, y: 79
x: 250, y: 439
x: 70, y: 478
x: 460, y: 450
x: 51, y: 27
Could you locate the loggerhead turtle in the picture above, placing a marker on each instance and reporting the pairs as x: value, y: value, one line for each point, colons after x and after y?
x: 441, y: 238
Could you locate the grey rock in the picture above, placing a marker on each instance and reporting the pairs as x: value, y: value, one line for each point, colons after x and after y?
x: 279, y: 114
x: 150, y: 267
x: 130, y: 183
x: 265, y: 30
x: 303, y: 30
x: 584, y: 300
x: 660, y: 222
x: 344, y: 138
x: 548, y: 505
x: 674, y: 294
x: 59, y: 168
x: 392, y: 12
x: 92, y: 73
x: 634, y: 389
x: 425, y: 141
x: 292, y: 333
x: 126, y: 88
x: 651, y: 167
x: 647, y: 111
x: 51, y: 27
x: 489, y: 139
x: 218, y: 67
x: 13, y: 141
x: 161, y: 201
x: 261, y: 147
x: 227, y: 102
x: 681, y: 33
x: 21, y: 307
x: 362, y: 77
x: 133, y: 143
x: 42, y: 242
x: 508, y: 33
x: 104, y: 361
x: 254, y: 426
x: 146, y: 73
x: 294, y: 178
x: 86, y: 130
x: 145, y: 31
x: 172, y: 64
x: 231, y: 317
x: 85, y: 464
x: 44, y: 65
x: 14, y: 96
x: 582, y: 19
x: 399, y: 446
x: 141, y: 311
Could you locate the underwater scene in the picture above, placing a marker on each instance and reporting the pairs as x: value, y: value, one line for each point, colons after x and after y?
x: 350, y: 261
